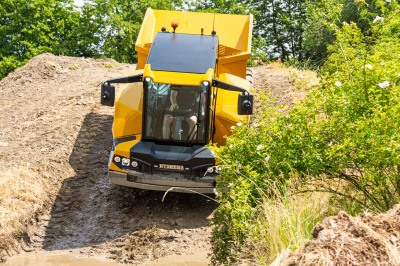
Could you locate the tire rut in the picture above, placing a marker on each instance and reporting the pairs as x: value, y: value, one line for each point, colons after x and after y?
x: 130, y: 225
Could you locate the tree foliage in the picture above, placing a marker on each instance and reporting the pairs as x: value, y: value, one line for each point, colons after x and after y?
x: 324, y: 17
x: 289, y: 30
x: 221, y: 6
x: 280, y: 24
x: 101, y: 28
x: 115, y: 25
x: 28, y: 28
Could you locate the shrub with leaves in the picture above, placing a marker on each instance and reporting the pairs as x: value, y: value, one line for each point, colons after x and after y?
x: 344, y: 138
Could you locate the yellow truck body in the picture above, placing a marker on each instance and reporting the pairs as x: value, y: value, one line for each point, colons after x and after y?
x: 189, y: 91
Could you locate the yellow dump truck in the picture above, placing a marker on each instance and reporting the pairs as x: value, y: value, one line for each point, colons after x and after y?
x: 188, y: 91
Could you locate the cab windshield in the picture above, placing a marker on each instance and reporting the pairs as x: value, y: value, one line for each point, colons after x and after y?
x: 175, y: 113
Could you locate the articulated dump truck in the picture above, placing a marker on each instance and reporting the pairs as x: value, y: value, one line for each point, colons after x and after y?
x: 188, y: 91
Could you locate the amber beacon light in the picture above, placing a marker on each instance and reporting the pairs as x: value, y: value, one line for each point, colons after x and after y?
x: 174, y: 24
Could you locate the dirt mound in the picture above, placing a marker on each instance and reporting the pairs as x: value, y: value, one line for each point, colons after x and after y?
x: 283, y: 83
x: 345, y: 240
x: 44, y: 104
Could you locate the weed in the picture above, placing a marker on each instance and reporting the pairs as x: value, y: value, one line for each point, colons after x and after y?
x: 108, y: 65
x: 74, y: 67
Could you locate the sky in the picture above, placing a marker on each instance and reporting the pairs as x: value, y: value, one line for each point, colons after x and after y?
x: 78, y: 2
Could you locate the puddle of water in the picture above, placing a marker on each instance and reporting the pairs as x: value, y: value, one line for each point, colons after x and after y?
x: 181, y: 260
x: 54, y: 258
x: 69, y: 259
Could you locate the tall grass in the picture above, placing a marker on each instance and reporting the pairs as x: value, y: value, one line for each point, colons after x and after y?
x: 22, y: 194
x: 285, y: 222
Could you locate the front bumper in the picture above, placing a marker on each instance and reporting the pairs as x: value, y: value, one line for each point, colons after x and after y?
x: 163, y: 182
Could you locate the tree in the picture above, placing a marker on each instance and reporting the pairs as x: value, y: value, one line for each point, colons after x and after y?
x: 101, y: 28
x: 110, y: 28
x: 28, y: 28
x: 325, y: 17
x: 280, y: 23
x: 222, y: 6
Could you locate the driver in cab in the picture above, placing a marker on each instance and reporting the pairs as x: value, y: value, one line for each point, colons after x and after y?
x: 184, y: 102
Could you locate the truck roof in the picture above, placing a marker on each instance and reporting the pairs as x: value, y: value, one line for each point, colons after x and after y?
x: 190, y: 53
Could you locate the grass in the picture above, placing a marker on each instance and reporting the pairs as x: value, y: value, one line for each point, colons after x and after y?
x: 285, y: 222
x: 22, y: 194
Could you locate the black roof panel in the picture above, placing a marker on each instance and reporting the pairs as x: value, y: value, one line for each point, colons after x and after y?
x: 183, y: 52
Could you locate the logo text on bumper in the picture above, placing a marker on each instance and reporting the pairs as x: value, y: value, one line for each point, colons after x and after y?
x: 171, y: 166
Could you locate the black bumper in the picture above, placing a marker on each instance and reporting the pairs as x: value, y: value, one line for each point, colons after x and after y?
x: 174, y: 182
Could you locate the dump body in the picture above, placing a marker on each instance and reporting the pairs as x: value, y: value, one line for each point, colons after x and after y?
x: 175, y: 107
x: 234, y: 33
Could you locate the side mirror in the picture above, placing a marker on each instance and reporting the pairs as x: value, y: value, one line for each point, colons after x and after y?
x: 107, y: 94
x: 245, y: 104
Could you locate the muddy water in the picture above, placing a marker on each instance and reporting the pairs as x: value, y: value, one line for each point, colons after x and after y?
x: 182, y: 260
x: 71, y: 259
x: 56, y: 258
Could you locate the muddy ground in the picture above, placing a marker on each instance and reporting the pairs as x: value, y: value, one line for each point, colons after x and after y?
x: 53, y: 125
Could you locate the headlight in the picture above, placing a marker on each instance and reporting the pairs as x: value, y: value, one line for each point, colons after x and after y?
x: 210, y: 170
x: 125, y: 161
x: 117, y: 159
x: 134, y: 164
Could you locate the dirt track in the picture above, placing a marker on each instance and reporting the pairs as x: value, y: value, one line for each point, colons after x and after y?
x: 131, y: 225
x: 56, y: 128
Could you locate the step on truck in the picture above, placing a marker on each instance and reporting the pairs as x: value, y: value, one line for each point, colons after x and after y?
x: 189, y: 90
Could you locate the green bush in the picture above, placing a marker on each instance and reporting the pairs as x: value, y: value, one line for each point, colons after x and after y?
x: 8, y: 64
x: 344, y: 138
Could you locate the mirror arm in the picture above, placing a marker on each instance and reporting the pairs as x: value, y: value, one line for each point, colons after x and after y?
x: 129, y: 79
x: 223, y: 85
